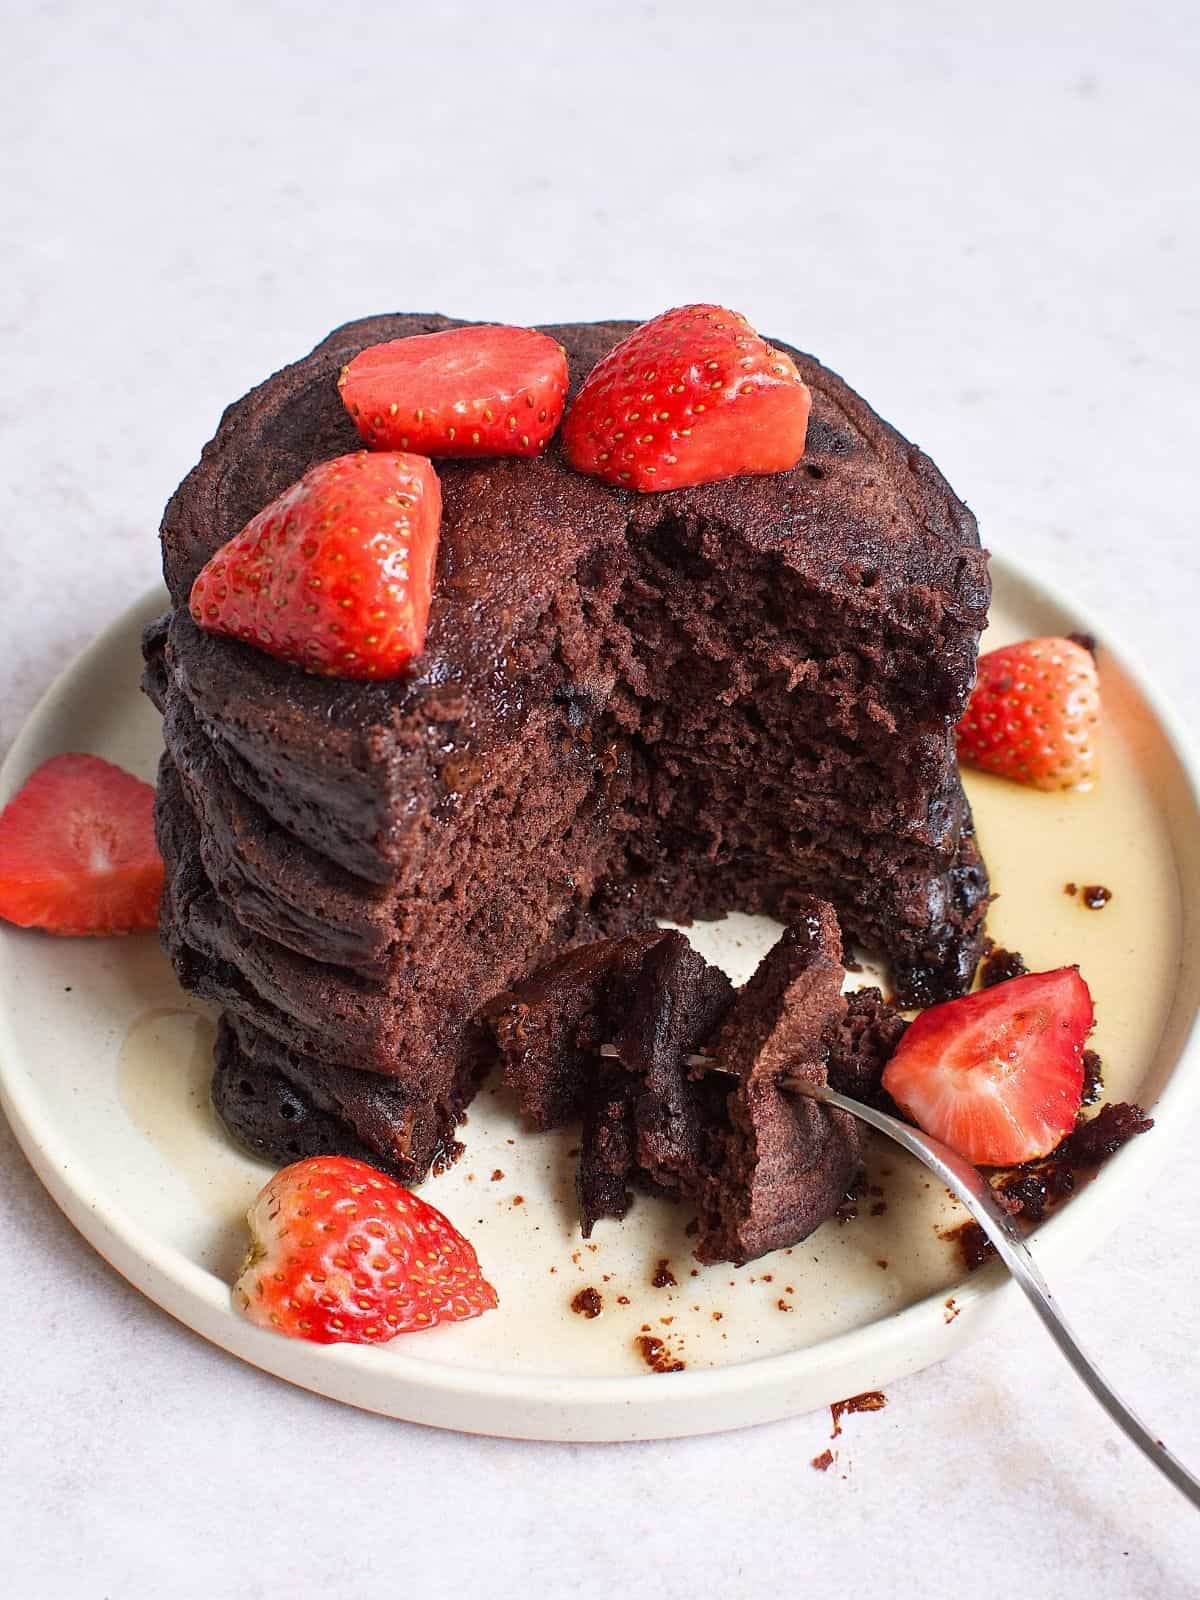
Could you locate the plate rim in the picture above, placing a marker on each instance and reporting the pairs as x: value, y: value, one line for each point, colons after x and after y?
x: 592, y: 1407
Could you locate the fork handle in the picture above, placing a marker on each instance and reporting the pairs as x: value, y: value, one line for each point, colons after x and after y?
x: 976, y: 1194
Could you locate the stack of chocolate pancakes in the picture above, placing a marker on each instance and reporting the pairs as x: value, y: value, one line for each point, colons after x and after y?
x: 735, y: 696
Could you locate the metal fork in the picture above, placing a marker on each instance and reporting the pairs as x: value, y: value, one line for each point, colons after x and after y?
x: 976, y: 1195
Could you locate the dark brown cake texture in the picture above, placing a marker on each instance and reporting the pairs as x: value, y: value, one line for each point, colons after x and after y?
x: 602, y: 1035
x: 675, y: 1078
x: 726, y: 697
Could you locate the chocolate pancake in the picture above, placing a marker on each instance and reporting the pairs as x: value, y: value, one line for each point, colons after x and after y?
x: 550, y: 1027
x: 782, y: 1163
x: 602, y: 1035
x: 731, y: 696
x: 613, y: 1035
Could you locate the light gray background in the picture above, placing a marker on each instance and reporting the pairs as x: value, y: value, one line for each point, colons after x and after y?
x: 986, y: 217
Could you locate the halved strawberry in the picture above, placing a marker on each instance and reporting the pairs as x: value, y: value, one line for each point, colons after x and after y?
x: 340, y: 1253
x: 1034, y: 714
x: 77, y: 850
x: 997, y: 1075
x: 336, y: 574
x: 480, y: 391
x: 689, y: 397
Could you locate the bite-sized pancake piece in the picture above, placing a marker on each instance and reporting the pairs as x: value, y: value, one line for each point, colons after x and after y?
x: 783, y: 1163
x: 675, y: 1078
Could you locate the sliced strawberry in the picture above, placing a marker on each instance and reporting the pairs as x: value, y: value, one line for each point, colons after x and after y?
x: 336, y: 574
x: 77, y: 850
x: 1034, y: 714
x: 689, y: 397
x: 481, y: 391
x: 997, y: 1075
x: 339, y: 1253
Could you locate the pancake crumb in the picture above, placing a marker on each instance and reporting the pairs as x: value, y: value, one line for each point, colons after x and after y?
x: 657, y: 1355
x: 1093, y: 1081
x: 1001, y: 965
x: 588, y: 1303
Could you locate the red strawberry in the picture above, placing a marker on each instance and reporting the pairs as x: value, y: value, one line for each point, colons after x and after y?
x: 1034, y: 714
x: 691, y: 396
x: 77, y: 850
x: 339, y: 1253
x: 481, y: 391
x: 997, y: 1075
x: 337, y: 573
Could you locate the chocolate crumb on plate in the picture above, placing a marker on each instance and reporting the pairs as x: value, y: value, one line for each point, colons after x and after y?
x: 1036, y: 1187
x: 1000, y: 965
x: 1093, y: 1082
x: 588, y: 1303
x: 1095, y: 896
x: 824, y: 1461
x: 657, y: 1355
x: 974, y: 1245
x: 663, y: 1277
x: 1101, y: 1136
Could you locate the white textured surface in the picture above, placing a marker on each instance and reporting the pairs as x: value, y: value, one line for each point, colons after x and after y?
x: 988, y: 222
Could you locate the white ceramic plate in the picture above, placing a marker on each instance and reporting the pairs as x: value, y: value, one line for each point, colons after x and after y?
x: 104, y: 1067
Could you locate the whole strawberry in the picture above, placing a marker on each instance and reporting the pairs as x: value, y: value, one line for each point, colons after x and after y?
x: 1034, y: 714
x: 336, y: 574
x: 340, y: 1253
x: 485, y: 390
x: 689, y: 397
